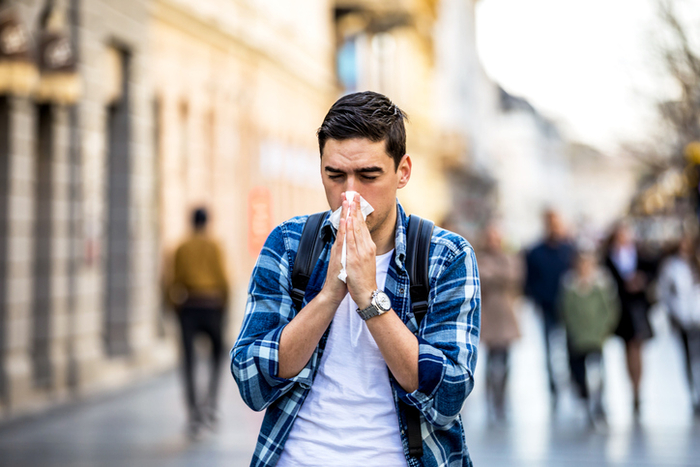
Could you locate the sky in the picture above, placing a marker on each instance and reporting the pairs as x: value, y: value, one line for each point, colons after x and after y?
x: 587, y: 64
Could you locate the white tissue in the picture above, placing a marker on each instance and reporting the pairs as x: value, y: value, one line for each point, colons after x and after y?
x: 366, y: 209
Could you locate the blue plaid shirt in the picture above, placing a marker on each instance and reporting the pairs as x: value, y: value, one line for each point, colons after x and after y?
x: 448, y: 338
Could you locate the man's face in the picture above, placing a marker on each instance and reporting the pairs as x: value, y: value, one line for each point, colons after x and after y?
x: 555, y: 226
x: 363, y: 166
x: 493, y: 238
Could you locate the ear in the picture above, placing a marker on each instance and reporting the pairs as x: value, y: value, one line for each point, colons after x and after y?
x: 404, y: 171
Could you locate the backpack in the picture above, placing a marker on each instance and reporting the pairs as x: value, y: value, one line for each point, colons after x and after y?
x: 418, y: 235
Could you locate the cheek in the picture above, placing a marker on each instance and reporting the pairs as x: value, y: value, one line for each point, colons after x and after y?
x: 380, y: 206
x: 333, y: 196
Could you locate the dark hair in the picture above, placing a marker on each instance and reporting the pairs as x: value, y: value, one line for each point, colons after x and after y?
x: 366, y: 115
x: 199, y: 218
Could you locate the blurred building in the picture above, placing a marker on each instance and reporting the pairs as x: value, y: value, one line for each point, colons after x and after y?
x: 137, y: 112
x: 239, y: 89
x: 77, y: 302
x: 537, y: 167
x: 389, y: 47
x: 529, y: 163
x: 602, y: 186
x: 467, y: 109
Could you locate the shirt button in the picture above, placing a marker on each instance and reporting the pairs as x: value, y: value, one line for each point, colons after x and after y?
x: 401, y: 290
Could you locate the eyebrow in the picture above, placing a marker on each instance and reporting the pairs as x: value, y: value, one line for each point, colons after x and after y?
x: 371, y: 169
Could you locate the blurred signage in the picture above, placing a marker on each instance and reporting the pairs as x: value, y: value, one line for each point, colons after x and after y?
x: 259, y: 218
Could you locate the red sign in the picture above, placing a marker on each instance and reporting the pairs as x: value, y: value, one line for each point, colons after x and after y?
x: 259, y: 218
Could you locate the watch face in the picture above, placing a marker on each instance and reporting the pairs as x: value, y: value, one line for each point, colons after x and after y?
x: 382, y: 301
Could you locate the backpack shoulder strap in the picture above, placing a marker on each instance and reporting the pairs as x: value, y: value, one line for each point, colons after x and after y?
x: 310, y: 247
x: 418, y: 235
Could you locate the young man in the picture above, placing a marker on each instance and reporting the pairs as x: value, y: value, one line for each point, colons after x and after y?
x: 331, y: 375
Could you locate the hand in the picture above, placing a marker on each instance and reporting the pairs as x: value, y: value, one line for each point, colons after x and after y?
x: 361, y: 252
x: 334, y: 288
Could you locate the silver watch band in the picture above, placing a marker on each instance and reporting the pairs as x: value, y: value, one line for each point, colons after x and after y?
x: 370, y: 312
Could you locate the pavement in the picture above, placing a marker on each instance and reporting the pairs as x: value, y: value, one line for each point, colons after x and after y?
x: 144, y: 425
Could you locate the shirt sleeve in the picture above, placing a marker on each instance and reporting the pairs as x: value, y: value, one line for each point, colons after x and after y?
x: 448, y: 340
x: 255, y: 355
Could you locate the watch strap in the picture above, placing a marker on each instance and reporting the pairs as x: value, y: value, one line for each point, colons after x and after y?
x: 370, y: 312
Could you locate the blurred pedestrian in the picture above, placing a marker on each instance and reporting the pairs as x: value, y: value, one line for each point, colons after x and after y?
x: 590, y: 311
x: 501, y: 282
x: 546, y: 263
x: 678, y: 290
x: 633, y: 274
x: 199, y: 291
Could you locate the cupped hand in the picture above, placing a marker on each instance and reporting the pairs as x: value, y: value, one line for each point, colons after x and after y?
x: 361, y: 253
x: 334, y: 288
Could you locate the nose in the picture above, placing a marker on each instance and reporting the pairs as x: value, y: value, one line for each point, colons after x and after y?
x: 350, y: 184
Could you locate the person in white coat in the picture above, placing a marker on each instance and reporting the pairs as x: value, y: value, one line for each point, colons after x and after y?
x: 678, y: 289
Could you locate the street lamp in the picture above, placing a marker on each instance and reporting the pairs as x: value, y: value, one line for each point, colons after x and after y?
x: 18, y: 73
x: 59, y: 82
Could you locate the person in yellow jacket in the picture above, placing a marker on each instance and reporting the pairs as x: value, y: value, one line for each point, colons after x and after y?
x: 199, y: 293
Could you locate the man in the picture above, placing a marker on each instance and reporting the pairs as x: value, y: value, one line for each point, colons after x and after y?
x: 199, y: 292
x: 330, y: 379
x: 546, y: 263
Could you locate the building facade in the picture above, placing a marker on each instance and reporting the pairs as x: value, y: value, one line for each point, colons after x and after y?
x: 166, y: 106
x: 239, y: 91
x: 78, y: 306
x: 389, y: 47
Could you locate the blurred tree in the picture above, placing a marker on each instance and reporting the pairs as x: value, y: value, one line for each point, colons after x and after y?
x: 677, y: 47
x: 678, y: 56
x: 681, y: 58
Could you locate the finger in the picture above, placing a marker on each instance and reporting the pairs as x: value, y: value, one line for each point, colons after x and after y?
x: 362, y: 236
x: 345, y: 208
x: 350, y: 233
x: 342, y: 229
x: 343, y: 212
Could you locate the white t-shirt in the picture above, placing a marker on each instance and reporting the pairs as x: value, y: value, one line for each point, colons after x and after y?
x: 348, y: 418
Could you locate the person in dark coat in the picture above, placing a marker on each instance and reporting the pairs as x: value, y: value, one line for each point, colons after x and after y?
x: 546, y: 263
x: 633, y: 274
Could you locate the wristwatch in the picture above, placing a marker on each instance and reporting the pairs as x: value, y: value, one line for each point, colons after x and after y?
x: 379, y: 305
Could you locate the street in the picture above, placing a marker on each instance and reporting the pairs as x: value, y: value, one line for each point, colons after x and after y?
x: 144, y: 425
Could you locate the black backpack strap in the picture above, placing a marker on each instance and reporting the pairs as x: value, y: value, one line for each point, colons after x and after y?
x: 310, y: 247
x: 418, y: 235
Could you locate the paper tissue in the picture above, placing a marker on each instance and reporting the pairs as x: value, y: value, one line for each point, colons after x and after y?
x: 366, y: 209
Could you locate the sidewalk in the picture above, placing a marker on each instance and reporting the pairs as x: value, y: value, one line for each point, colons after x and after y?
x: 665, y: 436
x: 141, y: 426
x: 144, y: 425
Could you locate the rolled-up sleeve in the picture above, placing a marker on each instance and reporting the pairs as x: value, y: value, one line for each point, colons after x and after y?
x: 448, y: 337
x: 255, y: 355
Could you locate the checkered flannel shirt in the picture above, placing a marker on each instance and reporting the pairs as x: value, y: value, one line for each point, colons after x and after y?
x: 448, y: 340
